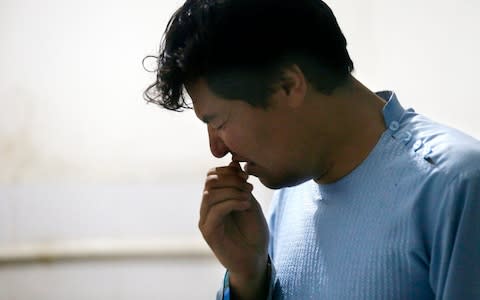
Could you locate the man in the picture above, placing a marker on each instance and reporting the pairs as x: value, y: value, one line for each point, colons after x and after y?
x: 373, y: 201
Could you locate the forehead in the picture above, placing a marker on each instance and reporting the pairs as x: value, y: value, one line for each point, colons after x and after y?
x: 205, y: 101
x: 197, y: 90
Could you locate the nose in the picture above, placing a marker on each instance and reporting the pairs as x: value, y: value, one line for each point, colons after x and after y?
x: 217, y: 146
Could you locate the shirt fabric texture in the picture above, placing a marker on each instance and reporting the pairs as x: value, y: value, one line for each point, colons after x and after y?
x: 404, y: 224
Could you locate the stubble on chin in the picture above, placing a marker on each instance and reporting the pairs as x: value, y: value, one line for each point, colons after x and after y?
x: 282, y: 182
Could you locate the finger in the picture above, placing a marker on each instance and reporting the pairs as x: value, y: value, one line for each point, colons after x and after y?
x: 235, y: 164
x: 213, y: 197
x: 217, y: 213
x: 232, y: 168
x: 216, y: 181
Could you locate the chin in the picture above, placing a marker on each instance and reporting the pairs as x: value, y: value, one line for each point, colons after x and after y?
x: 279, y: 183
x: 270, y: 185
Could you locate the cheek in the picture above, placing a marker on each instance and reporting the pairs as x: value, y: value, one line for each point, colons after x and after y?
x: 240, y: 140
x: 249, y: 134
x: 231, y: 138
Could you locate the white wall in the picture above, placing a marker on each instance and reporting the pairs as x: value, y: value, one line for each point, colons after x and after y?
x: 425, y: 50
x: 82, y: 156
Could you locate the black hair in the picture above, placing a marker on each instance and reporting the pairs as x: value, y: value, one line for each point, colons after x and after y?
x: 241, y: 46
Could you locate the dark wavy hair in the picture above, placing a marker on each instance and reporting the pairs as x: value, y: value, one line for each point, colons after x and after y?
x: 241, y: 46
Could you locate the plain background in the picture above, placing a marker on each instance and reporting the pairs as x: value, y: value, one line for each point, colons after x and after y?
x: 82, y: 155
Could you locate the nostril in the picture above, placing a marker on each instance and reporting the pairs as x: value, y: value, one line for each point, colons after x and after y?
x: 219, y: 154
x: 218, y: 149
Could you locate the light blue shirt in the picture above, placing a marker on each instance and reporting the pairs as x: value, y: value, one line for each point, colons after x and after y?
x: 405, y: 224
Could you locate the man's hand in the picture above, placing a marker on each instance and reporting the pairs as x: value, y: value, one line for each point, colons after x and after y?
x: 233, y: 225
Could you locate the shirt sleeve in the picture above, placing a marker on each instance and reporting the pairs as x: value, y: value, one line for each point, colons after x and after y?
x: 224, y: 292
x: 455, y: 253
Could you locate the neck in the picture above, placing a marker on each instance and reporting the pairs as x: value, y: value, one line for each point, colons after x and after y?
x: 358, y: 123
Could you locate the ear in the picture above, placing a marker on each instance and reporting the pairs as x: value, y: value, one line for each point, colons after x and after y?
x: 293, y: 85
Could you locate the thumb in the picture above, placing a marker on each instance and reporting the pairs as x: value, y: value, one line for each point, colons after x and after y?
x: 236, y: 164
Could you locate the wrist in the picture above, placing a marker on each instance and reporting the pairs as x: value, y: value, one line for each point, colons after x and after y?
x: 250, y: 286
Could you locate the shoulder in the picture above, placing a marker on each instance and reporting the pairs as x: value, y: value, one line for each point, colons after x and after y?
x: 446, y: 172
x: 449, y: 150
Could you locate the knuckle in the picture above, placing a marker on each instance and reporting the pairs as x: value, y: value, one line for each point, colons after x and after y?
x: 211, y: 180
x: 206, y: 201
x: 206, y: 194
x: 224, y: 180
x: 215, y: 170
x: 210, y: 172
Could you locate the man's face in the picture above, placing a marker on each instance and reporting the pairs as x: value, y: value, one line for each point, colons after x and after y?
x: 266, y: 139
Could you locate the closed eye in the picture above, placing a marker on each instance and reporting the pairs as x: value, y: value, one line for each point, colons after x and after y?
x: 213, y: 119
x: 221, y: 126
